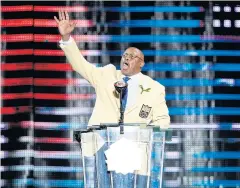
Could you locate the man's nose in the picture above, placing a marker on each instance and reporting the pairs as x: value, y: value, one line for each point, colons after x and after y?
x: 126, y: 58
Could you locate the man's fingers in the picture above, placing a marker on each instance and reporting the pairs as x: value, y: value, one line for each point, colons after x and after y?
x: 66, y: 15
x: 62, y: 15
x: 56, y: 19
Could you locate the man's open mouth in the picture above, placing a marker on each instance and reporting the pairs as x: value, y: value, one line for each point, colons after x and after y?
x: 125, y: 65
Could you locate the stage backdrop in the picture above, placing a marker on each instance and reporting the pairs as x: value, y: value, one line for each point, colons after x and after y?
x: 192, y: 48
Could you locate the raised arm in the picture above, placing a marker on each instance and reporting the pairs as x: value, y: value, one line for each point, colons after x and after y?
x: 75, y: 58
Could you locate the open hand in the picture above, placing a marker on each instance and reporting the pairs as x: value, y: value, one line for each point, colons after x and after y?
x: 65, y: 25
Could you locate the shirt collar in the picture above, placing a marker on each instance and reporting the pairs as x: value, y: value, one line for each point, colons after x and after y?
x: 135, y: 76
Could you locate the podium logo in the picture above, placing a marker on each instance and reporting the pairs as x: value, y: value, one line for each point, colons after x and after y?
x: 145, y: 110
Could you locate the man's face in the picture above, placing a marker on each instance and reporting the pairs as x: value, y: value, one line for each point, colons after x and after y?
x: 132, y: 61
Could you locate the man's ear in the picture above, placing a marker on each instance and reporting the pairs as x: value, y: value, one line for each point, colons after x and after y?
x: 142, y: 64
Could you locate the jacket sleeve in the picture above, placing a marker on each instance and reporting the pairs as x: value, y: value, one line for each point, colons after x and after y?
x: 160, y: 115
x: 87, y: 70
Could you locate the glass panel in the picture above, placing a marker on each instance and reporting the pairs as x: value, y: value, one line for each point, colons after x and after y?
x: 150, y: 144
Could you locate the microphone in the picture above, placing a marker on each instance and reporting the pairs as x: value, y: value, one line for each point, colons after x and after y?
x: 121, y: 87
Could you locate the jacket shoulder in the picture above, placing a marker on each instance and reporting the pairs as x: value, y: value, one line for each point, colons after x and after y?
x: 154, y: 84
x: 109, y: 67
x: 159, y: 86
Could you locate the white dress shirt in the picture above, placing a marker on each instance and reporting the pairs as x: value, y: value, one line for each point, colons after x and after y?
x: 66, y: 42
x: 133, y: 89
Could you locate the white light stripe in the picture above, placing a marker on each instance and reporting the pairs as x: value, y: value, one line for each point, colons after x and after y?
x: 216, y: 9
x: 63, y: 168
x: 173, y: 183
x: 42, y: 154
x: 2, y: 183
x: 3, y: 168
x: 26, y: 139
x: 216, y: 23
x: 227, y: 9
x: 227, y: 23
x: 194, y: 126
x: 172, y: 155
x: 3, y: 125
x: 64, y: 111
x: 237, y: 9
x: 237, y: 23
x: 63, y: 154
x: 3, y: 139
x: 173, y: 169
x: 174, y: 126
x: 44, y: 168
x: 236, y: 126
x: 168, y: 183
x: 174, y: 140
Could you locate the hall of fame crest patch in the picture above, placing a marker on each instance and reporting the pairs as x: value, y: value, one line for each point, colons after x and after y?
x: 145, y: 110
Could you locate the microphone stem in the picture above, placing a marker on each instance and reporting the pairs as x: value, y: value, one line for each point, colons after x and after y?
x: 121, y: 115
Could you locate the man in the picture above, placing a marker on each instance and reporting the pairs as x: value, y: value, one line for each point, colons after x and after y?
x: 145, y: 97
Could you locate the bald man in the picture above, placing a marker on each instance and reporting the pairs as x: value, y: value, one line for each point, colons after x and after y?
x: 145, y: 102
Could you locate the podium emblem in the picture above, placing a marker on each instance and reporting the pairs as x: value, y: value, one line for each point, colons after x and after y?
x: 145, y: 110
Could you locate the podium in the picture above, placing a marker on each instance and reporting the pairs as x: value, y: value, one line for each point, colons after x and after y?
x: 149, y: 141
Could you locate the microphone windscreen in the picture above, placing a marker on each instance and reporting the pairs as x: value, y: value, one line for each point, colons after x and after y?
x: 120, y: 86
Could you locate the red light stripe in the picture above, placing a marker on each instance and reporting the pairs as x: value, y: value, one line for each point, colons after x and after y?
x: 17, y: 81
x: 56, y: 38
x: 16, y: 66
x: 48, y: 52
x: 61, y: 53
x: 46, y: 38
x: 52, y: 23
x: 38, y: 81
x: 10, y: 96
x: 15, y: 110
x: 20, y: 8
x: 16, y: 22
x: 52, y: 67
x: 27, y: 124
x: 53, y: 140
x: 17, y: 52
x: 48, y: 96
x: 17, y: 37
x: 57, y: 8
x: 54, y: 81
